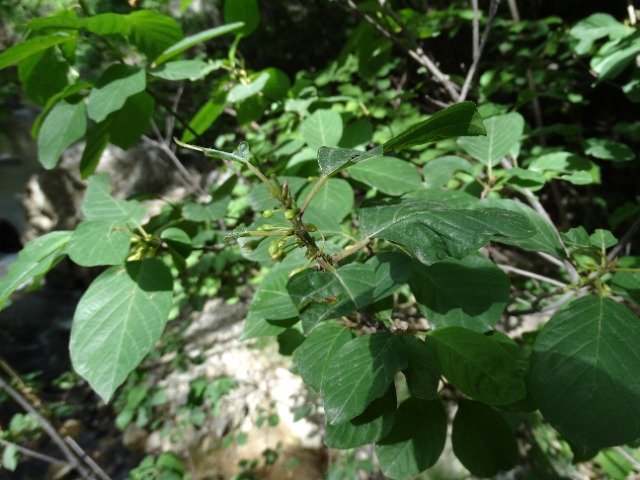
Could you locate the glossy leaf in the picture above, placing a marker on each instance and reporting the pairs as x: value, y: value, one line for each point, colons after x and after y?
x: 52, y: 140
x: 115, y: 85
x: 313, y: 357
x: 118, y: 321
x: 360, y: 372
x: 320, y: 296
x: 98, y: 204
x: 35, y: 259
x: 503, y: 135
x: 478, y: 366
x: 583, y: 373
x: 423, y: 370
x: 387, y: 174
x: 29, y: 47
x: 368, y: 427
x: 197, y: 39
x: 457, y: 120
x: 471, y: 293
x: 323, y: 128
x: 99, y: 242
x: 416, y: 440
x: 432, y: 231
x: 482, y: 440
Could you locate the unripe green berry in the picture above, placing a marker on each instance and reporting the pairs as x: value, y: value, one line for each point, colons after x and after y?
x: 289, y: 214
x: 268, y: 213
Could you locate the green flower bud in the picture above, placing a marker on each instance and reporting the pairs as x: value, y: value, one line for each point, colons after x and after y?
x: 268, y: 213
x: 289, y: 214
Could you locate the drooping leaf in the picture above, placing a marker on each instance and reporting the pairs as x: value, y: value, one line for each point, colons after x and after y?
x: 423, y: 370
x: 360, y: 372
x: 99, y: 242
x: 368, y: 427
x: 97, y: 141
x: 416, y: 440
x: 53, y: 140
x: 193, y: 40
x: 115, y: 85
x: 432, y: 231
x: 387, y: 174
x: 131, y: 121
x: 583, y: 374
x: 118, y: 321
x: 245, y: 11
x: 478, y: 366
x: 35, y: 259
x: 482, y: 440
x: 323, y: 128
x: 153, y: 32
x: 313, y: 357
x: 43, y: 75
x: 545, y: 239
x: 320, y: 296
x: 503, y: 135
x: 457, y: 120
x: 29, y: 47
x: 98, y: 204
x: 471, y: 293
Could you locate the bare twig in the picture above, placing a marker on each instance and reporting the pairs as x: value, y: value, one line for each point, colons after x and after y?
x: 30, y: 453
x: 493, y: 9
x: 86, y: 458
x: 48, y: 428
x: 615, y: 251
x: 414, y: 51
x: 526, y: 273
x: 475, y: 34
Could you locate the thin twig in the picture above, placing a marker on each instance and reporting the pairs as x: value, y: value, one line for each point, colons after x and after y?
x: 475, y: 34
x: 32, y: 454
x: 350, y: 251
x: 625, y: 454
x: 615, y: 251
x: 493, y: 9
x: 86, y: 458
x: 526, y: 273
x: 47, y: 427
x: 551, y: 259
x: 416, y: 52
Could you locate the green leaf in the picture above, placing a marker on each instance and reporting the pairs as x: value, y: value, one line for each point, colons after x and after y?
x: 440, y: 170
x: 179, y: 244
x: 331, y: 204
x: 245, y: 11
x: 423, y: 371
x: 368, y: 427
x: 184, y: 70
x: 242, y: 91
x: 118, y: 321
x: 389, y: 175
x: 503, y: 135
x: 205, y: 116
x: 482, y: 440
x: 416, y: 440
x: 614, y: 57
x: 392, y: 270
x: 153, y: 32
x: 98, y: 204
x: 595, y: 27
x: 43, y: 75
x: 603, y: 239
x: 457, y: 120
x: 70, y: 91
x: 323, y: 128
x: 312, y: 358
x: 10, y: 457
x: 545, y: 239
x: 332, y: 160
x: 360, y: 372
x: 193, y: 40
x: 99, y: 242
x: 278, y: 85
x: 29, y: 47
x: 432, y: 231
x: 626, y: 284
x: 130, y: 122
x: 478, y: 366
x: 34, y: 260
x: 320, y: 296
x: 566, y: 166
x: 53, y: 140
x: 107, y: 24
x: 471, y: 293
x: 97, y: 141
x: 605, y: 149
x: 583, y: 374
x: 115, y: 85
x: 208, y: 212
